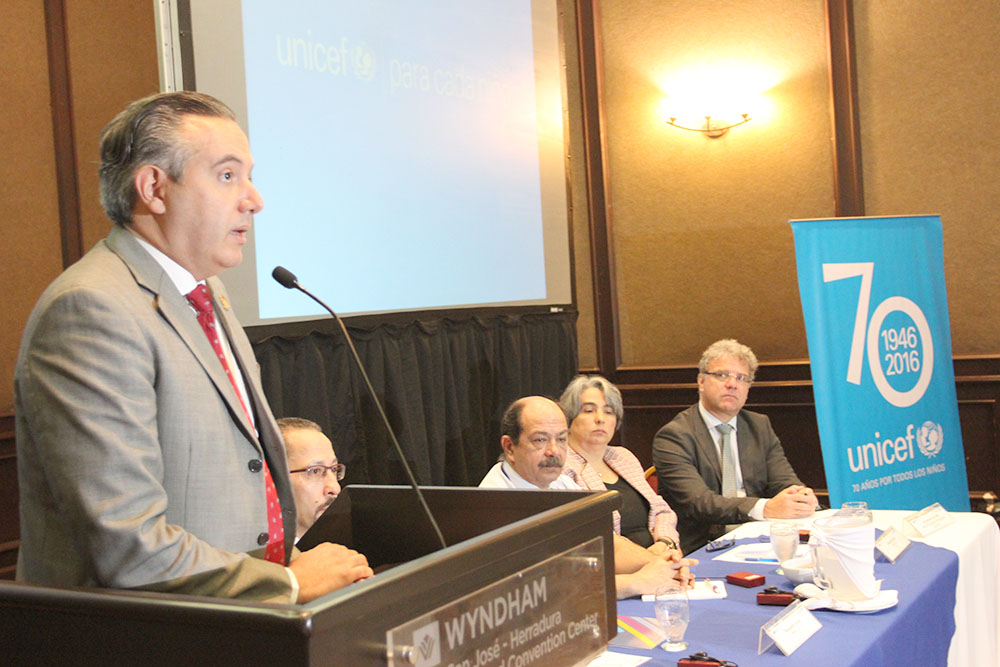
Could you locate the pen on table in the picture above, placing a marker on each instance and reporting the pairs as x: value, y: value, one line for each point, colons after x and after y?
x: 761, y: 560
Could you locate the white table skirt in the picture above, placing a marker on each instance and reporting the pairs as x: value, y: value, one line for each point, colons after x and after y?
x: 976, y: 539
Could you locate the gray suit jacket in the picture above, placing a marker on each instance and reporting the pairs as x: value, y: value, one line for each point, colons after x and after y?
x: 135, y: 463
x: 689, y: 473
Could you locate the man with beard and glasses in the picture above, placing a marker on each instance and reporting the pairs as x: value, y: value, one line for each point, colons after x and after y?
x: 534, y: 437
x: 314, y: 470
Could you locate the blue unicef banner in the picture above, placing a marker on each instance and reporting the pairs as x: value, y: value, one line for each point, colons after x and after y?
x: 876, y: 316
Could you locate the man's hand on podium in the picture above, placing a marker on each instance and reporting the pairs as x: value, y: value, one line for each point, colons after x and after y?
x: 328, y: 567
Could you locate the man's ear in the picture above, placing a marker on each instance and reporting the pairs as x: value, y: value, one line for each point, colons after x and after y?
x: 508, y: 445
x: 150, y: 184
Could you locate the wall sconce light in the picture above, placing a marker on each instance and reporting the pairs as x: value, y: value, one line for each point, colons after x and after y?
x: 712, y: 128
x: 713, y: 97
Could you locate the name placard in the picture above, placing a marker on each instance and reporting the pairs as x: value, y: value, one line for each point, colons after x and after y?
x: 892, y: 544
x: 927, y: 521
x: 552, y: 613
x: 789, y: 629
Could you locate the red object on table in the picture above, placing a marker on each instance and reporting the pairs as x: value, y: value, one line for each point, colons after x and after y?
x: 745, y: 579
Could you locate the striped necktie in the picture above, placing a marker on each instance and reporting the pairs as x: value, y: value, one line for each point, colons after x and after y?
x: 729, y: 484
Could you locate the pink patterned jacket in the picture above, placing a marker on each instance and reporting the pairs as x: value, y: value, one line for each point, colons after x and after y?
x: 662, y: 519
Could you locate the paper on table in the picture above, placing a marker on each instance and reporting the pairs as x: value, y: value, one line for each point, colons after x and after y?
x: 612, y: 659
x: 638, y: 632
x: 755, y: 553
x: 704, y: 589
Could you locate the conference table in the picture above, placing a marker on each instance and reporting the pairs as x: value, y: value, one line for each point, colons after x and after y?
x: 948, y: 583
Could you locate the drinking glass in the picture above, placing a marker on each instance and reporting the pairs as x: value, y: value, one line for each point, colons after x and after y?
x: 784, y: 541
x: 673, y: 613
x: 857, y: 508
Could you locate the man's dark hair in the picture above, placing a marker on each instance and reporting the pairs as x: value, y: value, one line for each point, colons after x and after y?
x: 297, y: 423
x: 510, y: 424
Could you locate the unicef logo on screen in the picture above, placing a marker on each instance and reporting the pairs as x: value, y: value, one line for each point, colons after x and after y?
x: 427, y: 644
x: 930, y: 439
x: 363, y: 61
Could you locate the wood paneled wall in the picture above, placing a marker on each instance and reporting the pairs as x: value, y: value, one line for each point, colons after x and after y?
x: 66, y: 67
x: 783, y: 392
x: 877, y: 109
x: 10, y: 525
x: 687, y: 238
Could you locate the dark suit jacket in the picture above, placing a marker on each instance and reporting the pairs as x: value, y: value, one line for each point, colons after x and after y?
x: 690, y: 475
x: 136, y: 466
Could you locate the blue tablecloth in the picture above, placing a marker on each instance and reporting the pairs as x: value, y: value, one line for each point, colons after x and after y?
x: 917, y: 631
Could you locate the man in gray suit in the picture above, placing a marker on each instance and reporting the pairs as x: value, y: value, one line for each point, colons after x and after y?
x: 709, y: 488
x: 148, y: 457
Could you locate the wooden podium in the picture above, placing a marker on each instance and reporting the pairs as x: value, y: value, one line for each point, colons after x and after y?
x: 527, y: 576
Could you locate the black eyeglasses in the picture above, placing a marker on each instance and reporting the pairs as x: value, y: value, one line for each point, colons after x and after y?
x: 725, y: 375
x: 317, y: 472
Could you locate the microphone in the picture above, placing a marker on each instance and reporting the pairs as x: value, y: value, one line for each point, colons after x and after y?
x: 288, y: 280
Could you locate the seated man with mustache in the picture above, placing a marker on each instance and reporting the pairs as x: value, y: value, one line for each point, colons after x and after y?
x: 313, y: 468
x: 534, y: 437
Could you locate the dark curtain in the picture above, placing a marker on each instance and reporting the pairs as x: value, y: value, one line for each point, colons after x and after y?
x: 444, y: 384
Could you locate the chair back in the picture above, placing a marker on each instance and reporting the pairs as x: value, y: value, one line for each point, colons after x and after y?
x: 651, y: 478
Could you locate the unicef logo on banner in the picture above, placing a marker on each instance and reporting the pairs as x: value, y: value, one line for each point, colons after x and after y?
x: 930, y: 439
x: 876, y: 316
x: 908, y: 349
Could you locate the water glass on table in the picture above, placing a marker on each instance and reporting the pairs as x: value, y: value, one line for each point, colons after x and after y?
x: 784, y: 541
x: 673, y: 613
x: 858, y: 508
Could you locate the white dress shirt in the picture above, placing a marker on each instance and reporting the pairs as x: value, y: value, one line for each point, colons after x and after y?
x: 503, y: 476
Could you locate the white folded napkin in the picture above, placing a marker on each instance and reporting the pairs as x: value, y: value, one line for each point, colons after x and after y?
x: 852, y: 542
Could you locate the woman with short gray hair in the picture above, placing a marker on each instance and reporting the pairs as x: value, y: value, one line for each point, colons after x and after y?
x: 594, y: 411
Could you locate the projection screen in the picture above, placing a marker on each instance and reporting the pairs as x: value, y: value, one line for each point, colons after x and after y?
x: 411, y: 155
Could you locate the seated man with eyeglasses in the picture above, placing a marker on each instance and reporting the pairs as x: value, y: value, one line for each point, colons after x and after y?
x: 719, y: 465
x: 313, y: 468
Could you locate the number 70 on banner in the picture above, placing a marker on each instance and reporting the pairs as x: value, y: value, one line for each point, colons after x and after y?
x: 896, y: 362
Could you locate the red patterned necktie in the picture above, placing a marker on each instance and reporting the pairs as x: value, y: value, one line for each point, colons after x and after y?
x: 201, y: 300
